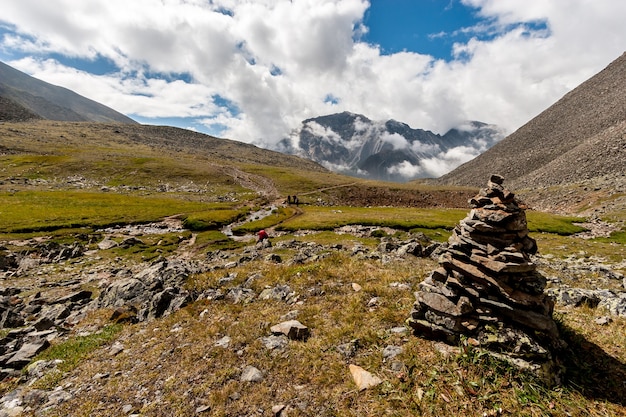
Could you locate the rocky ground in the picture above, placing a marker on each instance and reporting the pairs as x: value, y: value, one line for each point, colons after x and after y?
x: 47, y: 290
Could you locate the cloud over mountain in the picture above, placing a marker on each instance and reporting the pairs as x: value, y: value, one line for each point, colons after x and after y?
x: 355, y: 145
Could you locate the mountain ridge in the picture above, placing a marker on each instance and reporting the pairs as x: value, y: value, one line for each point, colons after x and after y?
x: 51, y: 102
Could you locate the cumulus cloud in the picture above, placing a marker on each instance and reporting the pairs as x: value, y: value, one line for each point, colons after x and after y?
x: 395, y: 139
x: 257, y: 68
x: 447, y: 161
x: 406, y: 169
x: 437, y: 165
x: 326, y: 133
x: 420, y: 147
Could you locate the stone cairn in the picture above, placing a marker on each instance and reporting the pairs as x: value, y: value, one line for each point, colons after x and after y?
x: 486, y: 289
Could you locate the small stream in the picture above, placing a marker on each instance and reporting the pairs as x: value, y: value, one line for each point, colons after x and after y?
x: 174, y: 225
x: 255, y: 215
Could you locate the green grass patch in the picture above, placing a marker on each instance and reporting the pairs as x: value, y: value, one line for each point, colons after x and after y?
x: 551, y: 223
x: 615, y: 237
x: 211, y: 240
x: 73, y: 351
x: 29, y: 211
x: 328, y: 218
x: 212, y: 219
x: 149, y: 247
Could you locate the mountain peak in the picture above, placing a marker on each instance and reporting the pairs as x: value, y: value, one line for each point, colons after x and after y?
x: 353, y: 144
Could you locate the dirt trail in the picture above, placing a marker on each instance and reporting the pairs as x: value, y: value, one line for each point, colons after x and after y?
x: 262, y: 185
x: 329, y: 188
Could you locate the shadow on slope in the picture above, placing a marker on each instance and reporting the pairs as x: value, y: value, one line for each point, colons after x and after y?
x: 591, y: 371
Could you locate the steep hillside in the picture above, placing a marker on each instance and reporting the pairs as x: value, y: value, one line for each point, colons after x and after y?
x: 52, y: 102
x: 581, y: 138
x: 12, y: 111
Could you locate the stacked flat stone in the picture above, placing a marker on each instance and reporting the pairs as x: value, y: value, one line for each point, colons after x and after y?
x: 486, y: 288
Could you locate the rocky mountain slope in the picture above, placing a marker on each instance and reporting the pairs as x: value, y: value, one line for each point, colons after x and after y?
x: 48, y: 101
x: 580, y: 139
x: 354, y: 145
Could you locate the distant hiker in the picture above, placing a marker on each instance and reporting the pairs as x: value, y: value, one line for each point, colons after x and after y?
x: 262, y: 235
x: 295, y: 200
x: 288, y: 199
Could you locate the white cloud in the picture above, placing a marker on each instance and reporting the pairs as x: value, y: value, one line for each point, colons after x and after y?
x: 420, y: 147
x: 277, y: 61
x: 435, y: 166
x: 395, y: 139
x: 324, y: 132
x: 406, y: 170
x: 447, y: 161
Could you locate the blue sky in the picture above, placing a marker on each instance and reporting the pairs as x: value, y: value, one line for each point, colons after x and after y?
x: 253, y: 70
x: 428, y: 26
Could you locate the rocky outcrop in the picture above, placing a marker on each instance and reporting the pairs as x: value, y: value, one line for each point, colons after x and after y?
x: 488, y: 290
x: 34, y: 322
x: 154, y: 292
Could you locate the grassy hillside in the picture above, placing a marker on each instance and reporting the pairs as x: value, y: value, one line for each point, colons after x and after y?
x: 62, y: 183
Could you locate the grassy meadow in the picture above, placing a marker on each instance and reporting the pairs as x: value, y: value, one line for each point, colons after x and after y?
x: 65, y: 182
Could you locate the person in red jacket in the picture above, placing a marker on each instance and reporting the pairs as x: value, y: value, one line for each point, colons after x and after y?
x: 262, y: 235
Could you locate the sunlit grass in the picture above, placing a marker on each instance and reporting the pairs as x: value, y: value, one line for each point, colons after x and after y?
x: 181, y: 347
x: 212, y: 219
x: 279, y: 215
x: 72, y: 351
x: 328, y: 218
x: 551, y: 223
x: 25, y: 211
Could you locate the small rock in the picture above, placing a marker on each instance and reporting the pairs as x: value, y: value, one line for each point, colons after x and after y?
x: 28, y: 351
x: 402, y: 286
x: 390, y: 352
x: 277, y: 410
x: 107, y: 244
x: 251, y: 374
x: 397, y: 366
x: 116, y: 349
x: 224, y: 342
x: 373, y: 302
x: 348, y: 350
x: 290, y: 315
x: 603, y: 321
x: 274, y: 342
x: 293, y: 329
x: 356, y: 287
x: 58, y: 396
x: 127, y: 408
x: 203, y: 409
x: 100, y: 376
x: 363, y: 379
x: 399, y: 330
